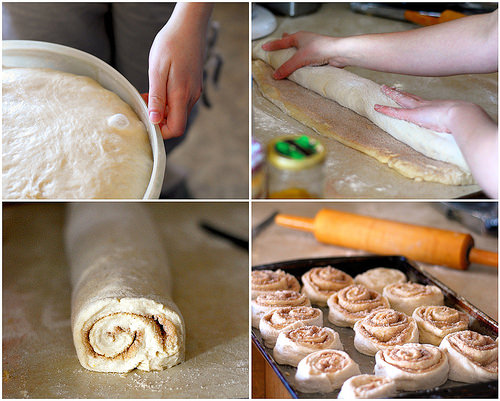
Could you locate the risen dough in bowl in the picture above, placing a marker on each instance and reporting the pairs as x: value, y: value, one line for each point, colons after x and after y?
x: 64, y: 137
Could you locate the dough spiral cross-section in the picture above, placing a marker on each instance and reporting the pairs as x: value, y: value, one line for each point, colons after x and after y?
x: 264, y: 281
x: 321, y: 282
x: 435, y: 322
x: 276, y: 299
x: 413, y: 366
x: 324, y: 371
x: 353, y: 303
x: 295, y: 344
x: 280, y: 319
x: 376, y: 279
x: 367, y: 386
x: 473, y: 357
x: 382, y: 329
x: 406, y: 297
x: 122, y: 315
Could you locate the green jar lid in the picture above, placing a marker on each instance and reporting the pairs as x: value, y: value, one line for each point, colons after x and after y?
x: 295, y: 152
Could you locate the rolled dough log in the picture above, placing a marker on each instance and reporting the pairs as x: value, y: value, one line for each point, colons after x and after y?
x: 330, y: 119
x: 360, y: 95
x: 122, y: 316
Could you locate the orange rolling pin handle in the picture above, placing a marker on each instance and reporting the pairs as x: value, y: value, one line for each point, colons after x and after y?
x: 299, y: 223
x: 426, y: 20
x: 419, y: 19
x: 425, y: 244
x: 483, y: 257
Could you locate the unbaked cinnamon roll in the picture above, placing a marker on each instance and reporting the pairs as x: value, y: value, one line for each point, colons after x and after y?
x: 376, y: 279
x: 435, y: 322
x: 406, y: 297
x: 324, y: 371
x: 321, y: 282
x: 473, y: 357
x: 368, y: 386
x: 276, y: 299
x: 353, y: 303
x: 382, y: 329
x: 277, y: 320
x: 295, y: 344
x: 413, y: 366
x: 268, y: 280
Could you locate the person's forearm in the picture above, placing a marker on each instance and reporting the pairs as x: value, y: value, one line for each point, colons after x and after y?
x: 196, y: 15
x: 466, y: 45
x: 485, y: 169
x: 477, y: 136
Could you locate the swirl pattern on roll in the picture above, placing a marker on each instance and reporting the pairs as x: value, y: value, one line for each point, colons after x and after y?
x: 473, y: 357
x: 279, y: 319
x: 132, y: 339
x: 406, y: 297
x: 321, y: 282
x: 353, y: 303
x: 435, y: 322
x: 368, y: 387
x: 413, y: 366
x: 324, y: 371
x: 272, y: 280
x: 276, y: 299
x: 295, y: 344
x: 382, y: 329
x: 376, y: 279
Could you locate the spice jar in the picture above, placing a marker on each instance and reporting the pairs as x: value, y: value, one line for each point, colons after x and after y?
x: 295, y: 168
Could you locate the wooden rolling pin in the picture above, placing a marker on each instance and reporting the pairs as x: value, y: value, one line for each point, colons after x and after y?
x: 425, y: 244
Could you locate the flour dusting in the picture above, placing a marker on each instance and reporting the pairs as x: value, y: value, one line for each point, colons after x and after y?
x: 266, y: 122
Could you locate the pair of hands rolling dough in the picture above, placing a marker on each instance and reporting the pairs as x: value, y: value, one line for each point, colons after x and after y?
x: 176, y: 67
x: 468, y: 45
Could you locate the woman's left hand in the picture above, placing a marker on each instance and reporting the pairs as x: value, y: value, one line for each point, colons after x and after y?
x: 176, y: 67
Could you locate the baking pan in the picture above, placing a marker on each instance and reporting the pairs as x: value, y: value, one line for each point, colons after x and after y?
x: 478, y: 321
x: 35, y: 54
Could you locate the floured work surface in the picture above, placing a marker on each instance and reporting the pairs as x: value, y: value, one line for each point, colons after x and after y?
x: 210, y: 287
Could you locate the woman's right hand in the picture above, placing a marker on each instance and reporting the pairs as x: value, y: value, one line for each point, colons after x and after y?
x: 312, y: 49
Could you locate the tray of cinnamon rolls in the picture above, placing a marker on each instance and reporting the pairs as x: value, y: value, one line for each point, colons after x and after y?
x: 371, y: 327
